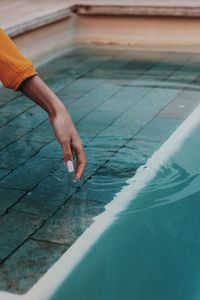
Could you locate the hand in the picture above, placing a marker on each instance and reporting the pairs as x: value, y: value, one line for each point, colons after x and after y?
x: 64, y: 129
x: 69, y: 140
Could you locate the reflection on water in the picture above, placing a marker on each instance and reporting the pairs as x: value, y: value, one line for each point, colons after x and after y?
x: 152, y: 250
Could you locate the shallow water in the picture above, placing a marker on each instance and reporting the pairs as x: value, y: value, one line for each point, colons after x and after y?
x: 125, y: 105
x: 152, y: 250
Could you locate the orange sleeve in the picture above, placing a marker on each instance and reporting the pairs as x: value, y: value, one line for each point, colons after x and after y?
x: 14, y: 67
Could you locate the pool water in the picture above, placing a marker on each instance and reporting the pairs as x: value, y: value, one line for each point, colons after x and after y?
x: 125, y: 105
x: 151, y: 249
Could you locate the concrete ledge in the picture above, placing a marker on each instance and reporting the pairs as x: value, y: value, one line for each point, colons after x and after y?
x: 150, y: 27
x: 177, y: 11
x: 103, y: 10
x: 38, y: 22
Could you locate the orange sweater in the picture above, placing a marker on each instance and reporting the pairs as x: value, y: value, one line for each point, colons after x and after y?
x: 14, y: 67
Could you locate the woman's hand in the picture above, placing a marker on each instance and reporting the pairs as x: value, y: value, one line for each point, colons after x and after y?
x: 65, y: 131
x: 69, y: 140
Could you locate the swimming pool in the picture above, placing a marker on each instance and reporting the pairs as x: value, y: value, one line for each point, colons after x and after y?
x: 146, y: 244
x: 125, y: 105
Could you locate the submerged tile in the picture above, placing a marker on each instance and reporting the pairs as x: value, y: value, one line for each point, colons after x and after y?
x: 15, y: 228
x: 29, y: 174
x: 25, y: 267
x: 70, y: 221
x: 9, y: 197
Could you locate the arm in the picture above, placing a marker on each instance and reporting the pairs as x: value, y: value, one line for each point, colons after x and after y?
x: 18, y: 73
x: 63, y: 126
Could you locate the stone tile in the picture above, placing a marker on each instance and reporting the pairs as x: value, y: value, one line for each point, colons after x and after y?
x: 4, y: 119
x: 124, y: 99
x: 90, y: 63
x: 95, y: 122
x: 51, y: 150
x: 114, y: 64
x: 49, y: 194
x: 15, y: 228
x: 28, y: 175
x: 58, y: 81
x: 18, y: 152
x: 9, y: 134
x: 25, y: 267
x: 159, y: 129
x: 92, y: 100
x: 103, y: 186
x: 16, y: 106
x: 182, y: 106
x: 7, y: 95
x: 131, y: 156
x: 31, y: 118
x: 3, y: 173
x: 181, y: 79
x: 70, y: 221
x: 61, y: 65
x: 81, y: 86
x: 42, y: 134
x: 8, y: 198
x: 98, y: 151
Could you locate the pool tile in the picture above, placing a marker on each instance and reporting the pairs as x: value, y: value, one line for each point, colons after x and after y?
x: 18, y: 227
x: 70, y: 221
x: 42, y: 134
x: 18, y: 152
x: 182, y: 106
x: 8, y: 198
x: 3, y: 173
x: 28, y: 264
x: 48, y: 195
x: 9, y: 134
x: 28, y: 175
x: 159, y: 129
x: 31, y: 118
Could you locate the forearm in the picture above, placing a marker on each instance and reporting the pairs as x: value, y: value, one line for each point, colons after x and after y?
x: 40, y: 93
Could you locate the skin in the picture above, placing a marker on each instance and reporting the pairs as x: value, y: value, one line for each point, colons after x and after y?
x: 62, y: 124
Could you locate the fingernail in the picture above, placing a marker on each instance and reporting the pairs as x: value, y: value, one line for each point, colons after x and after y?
x: 70, y: 166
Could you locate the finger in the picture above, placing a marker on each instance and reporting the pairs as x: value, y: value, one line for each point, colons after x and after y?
x: 81, y: 162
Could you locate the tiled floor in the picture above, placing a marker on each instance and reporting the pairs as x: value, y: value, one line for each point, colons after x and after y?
x: 125, y: 105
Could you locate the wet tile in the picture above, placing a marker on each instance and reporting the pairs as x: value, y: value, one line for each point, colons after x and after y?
x: 182, y: 106
x: 96, y: 121
x: 81, y: 86
x: 3, y: 173
x: 52, y: 150
x: 28, y: 175
x: 42, y: 134
x: 9, y: 134
x: 18, y: 152
x: 16, y: 106
x: 7, y: 95
x: 28, y: 264
x: 124, y: 99
x: 49, y: 194
x: 31, y: 118
x: 9, y: 197
x: 70, y: 221
x: 159, y: 129
x: 15, y: 228
x: 93, y: 99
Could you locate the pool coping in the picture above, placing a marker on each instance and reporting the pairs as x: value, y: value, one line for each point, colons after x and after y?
x: 102, y: 9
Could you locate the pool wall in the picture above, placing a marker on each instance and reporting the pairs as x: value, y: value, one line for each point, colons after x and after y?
x: 149, y: 32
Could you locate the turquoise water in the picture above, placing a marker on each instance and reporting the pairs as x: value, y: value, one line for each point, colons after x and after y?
x: 152, y: 249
